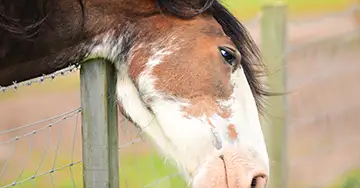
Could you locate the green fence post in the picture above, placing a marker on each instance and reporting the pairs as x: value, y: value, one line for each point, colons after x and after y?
x: 273, y: 44
x: 99, y: 125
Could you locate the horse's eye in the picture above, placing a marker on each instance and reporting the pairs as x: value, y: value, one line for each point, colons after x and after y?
x: 228, y: 55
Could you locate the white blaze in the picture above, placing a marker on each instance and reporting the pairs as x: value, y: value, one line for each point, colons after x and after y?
x: 189, y: 142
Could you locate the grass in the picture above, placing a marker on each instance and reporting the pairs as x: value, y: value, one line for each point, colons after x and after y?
x: 349, y: 180
x: 248, y: 9
x: 144, y: 169
x: 60, y: 178
x: 136, y: 171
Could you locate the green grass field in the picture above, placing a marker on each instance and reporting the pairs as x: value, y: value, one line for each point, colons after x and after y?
x: 350, y: 179
x: 141, y: 170
x: 247, y: 9
x: 135, y: 171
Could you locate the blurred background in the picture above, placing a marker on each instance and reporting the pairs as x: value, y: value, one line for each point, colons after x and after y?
x: 312, y: 49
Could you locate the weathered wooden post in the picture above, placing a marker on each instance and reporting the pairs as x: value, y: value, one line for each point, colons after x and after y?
x: 99, y: 125
x: 273, y: 44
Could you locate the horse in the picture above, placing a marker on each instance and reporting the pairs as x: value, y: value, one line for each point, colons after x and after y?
x: 188, y: 75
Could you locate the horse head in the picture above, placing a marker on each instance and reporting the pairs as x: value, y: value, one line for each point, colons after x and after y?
x: 191, y: 84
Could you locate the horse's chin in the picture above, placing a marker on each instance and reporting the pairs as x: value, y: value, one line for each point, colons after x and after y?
x: 231, y: 167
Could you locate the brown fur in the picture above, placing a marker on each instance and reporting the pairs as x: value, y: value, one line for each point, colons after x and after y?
x: 35, y: 33
x: 232, y: 132
x: 200, y: 73
x: 197, y: 68
x: 36, y: 36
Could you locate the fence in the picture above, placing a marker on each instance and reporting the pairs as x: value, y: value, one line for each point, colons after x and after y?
x: 316, y: 61
x: 33, y: 151
x: 312, y: 129
x: 48, y: 153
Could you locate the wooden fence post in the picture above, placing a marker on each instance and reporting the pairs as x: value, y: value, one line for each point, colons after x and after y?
x: 99, y: 125
x: 273, y: 44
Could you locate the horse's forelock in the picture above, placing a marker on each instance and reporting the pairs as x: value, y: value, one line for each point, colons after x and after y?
x: 186, y: 9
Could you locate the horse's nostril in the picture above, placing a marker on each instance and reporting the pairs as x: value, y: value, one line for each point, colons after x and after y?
x: 258, y: 182
x: 253, y: 183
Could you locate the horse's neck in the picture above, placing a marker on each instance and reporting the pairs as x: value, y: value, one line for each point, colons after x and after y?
x: 63, y: 38
x: 64, y: 27
x: 101, y: 16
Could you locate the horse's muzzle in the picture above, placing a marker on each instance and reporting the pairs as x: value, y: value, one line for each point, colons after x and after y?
x: 234, y: 168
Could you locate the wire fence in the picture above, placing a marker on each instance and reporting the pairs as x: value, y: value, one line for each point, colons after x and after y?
x: 25, y: 138
x: 313, y: 126
x: 138, y: 159
x: 33, y: 155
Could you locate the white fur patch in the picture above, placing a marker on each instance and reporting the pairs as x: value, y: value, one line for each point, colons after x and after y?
x: 245, y: 117
x: 110, y: 45
x: 178, y: 138
x: 189, y: 141
x: 146, y: 80
x: 107, y: 45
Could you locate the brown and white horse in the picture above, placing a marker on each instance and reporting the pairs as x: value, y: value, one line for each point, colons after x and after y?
x: 187, y: 74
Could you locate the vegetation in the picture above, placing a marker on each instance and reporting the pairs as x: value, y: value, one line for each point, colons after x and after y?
x: 349, y: 180
x: 248, y: 9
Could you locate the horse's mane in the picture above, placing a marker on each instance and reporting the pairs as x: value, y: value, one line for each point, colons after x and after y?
x: 22, y: 19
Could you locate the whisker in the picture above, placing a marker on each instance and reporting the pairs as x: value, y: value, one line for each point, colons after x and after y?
x: 225, y: 169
